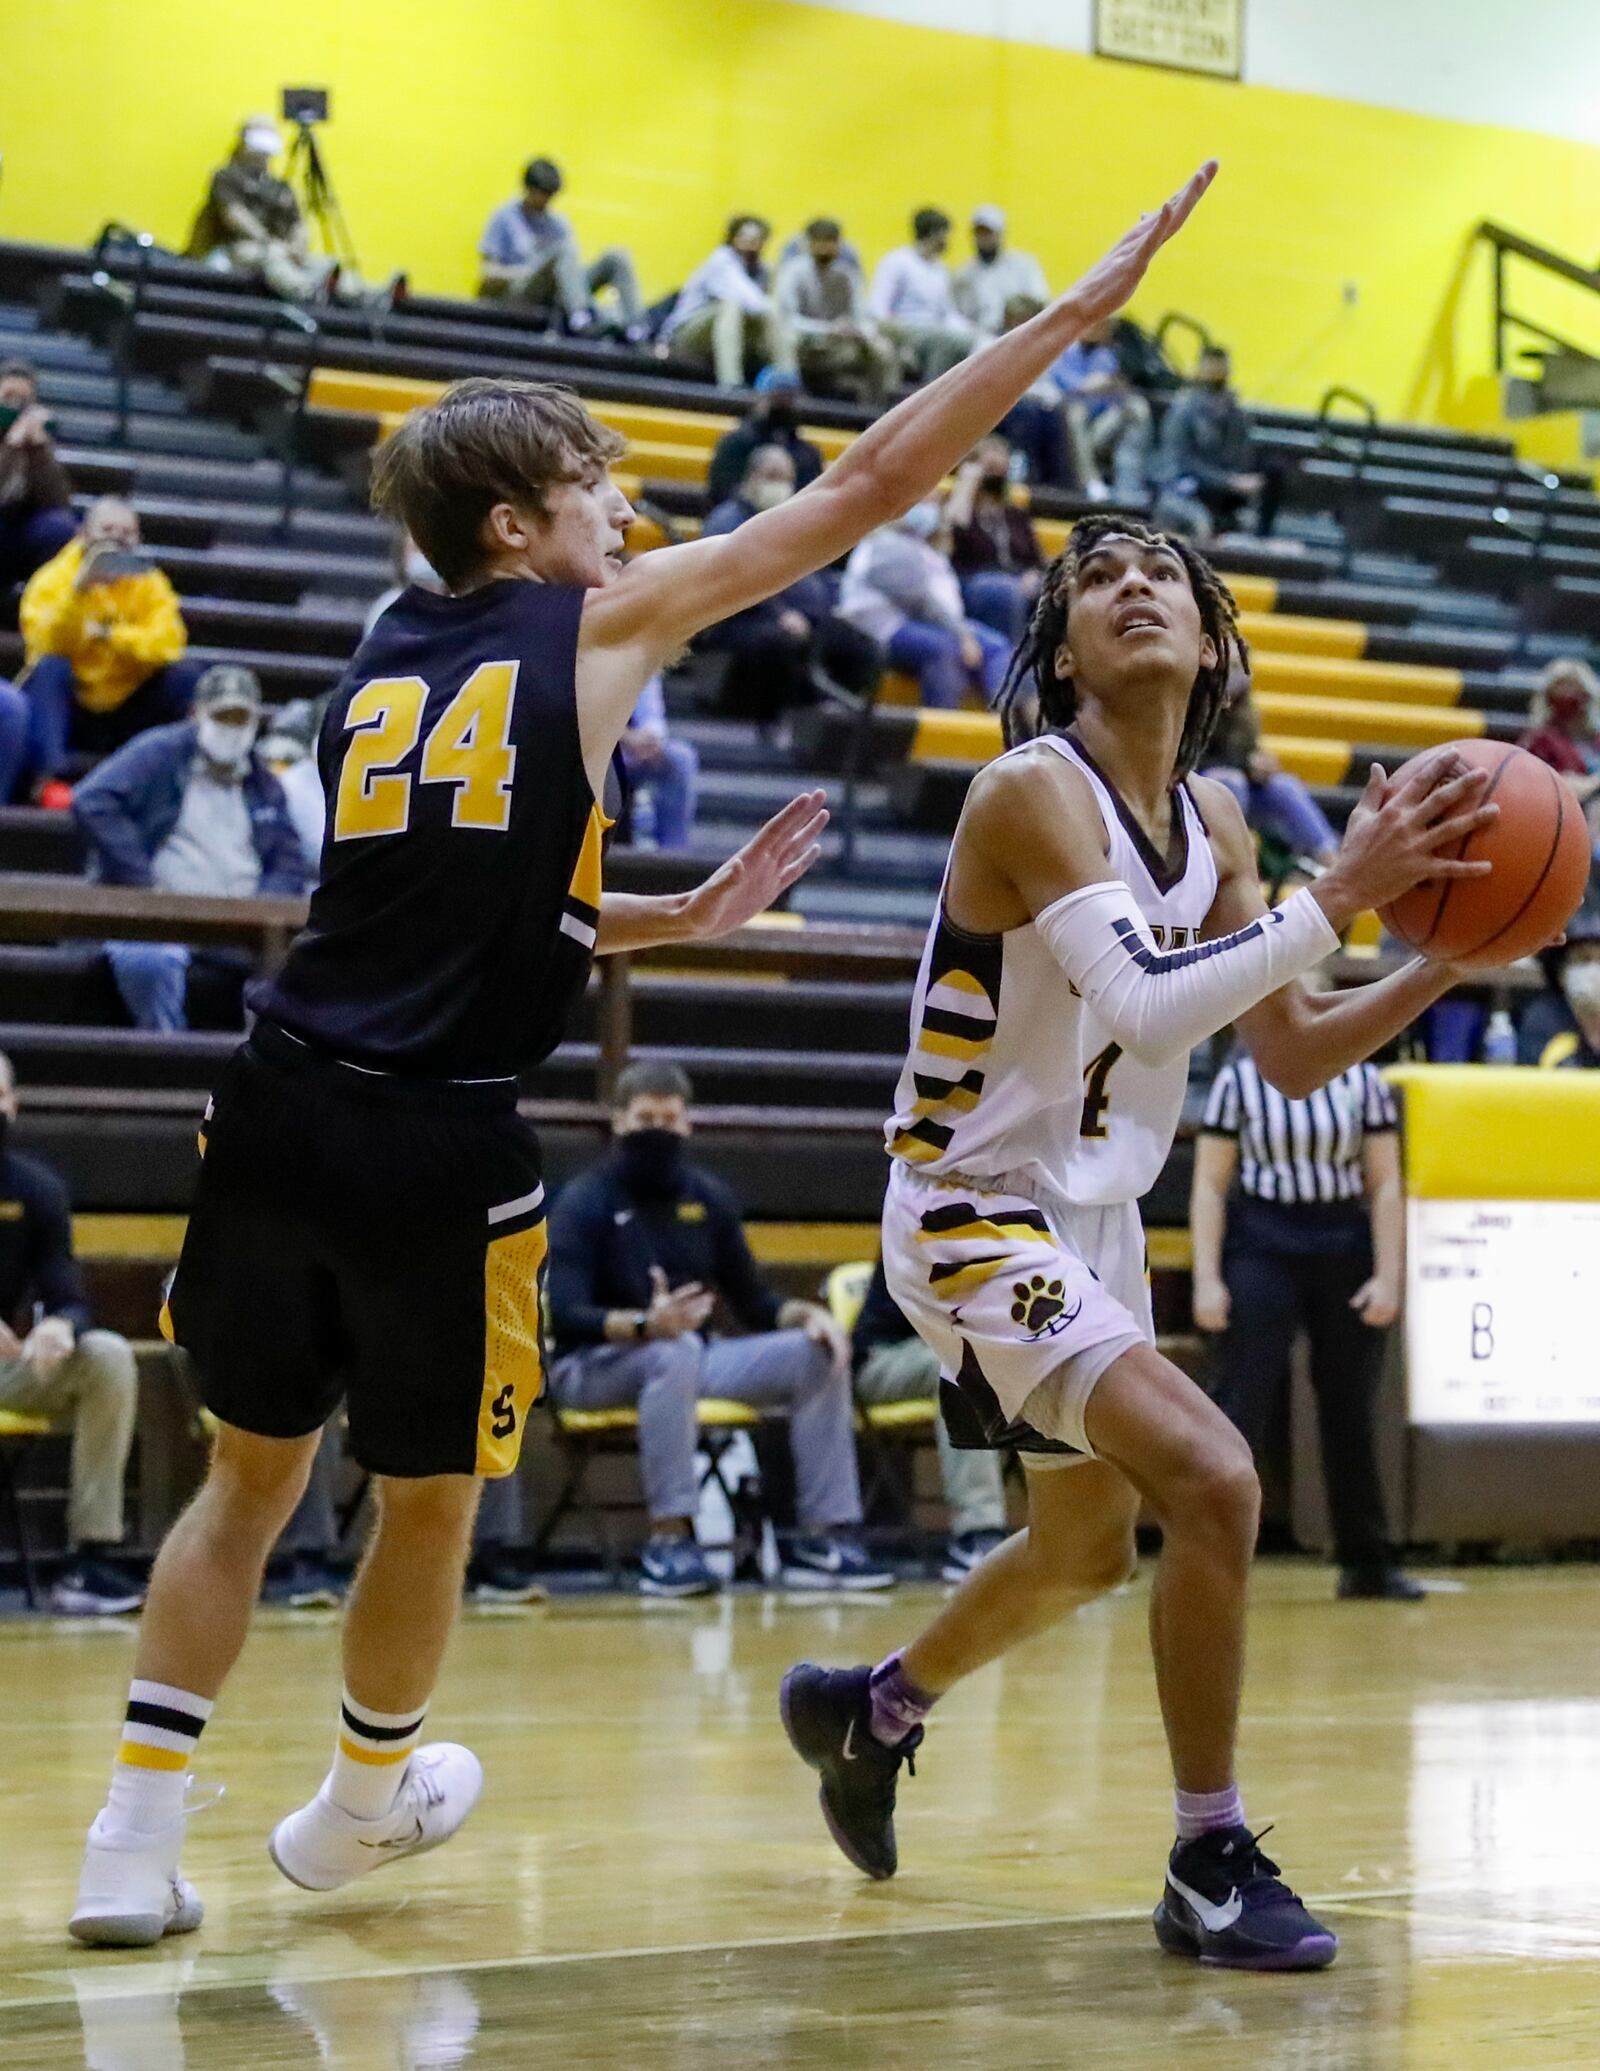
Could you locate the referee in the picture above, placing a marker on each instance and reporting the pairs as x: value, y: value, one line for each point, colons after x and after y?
x: 1312, y: 1240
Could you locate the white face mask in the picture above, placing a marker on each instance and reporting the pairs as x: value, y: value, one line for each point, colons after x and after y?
x: 766, y: 496
x: 1582, y: 987
x: 227, y: 742
x: 420, y: 570
x: 923, y: 518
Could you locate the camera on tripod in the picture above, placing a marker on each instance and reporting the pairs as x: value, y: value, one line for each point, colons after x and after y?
x: 305, y: 105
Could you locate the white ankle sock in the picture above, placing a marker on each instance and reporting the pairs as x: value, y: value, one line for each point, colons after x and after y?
x: 1207, y: 1812
x: 370, y: 1756
x: 151, y: 1771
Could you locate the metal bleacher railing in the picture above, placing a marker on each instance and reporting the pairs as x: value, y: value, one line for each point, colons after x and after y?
x: 1508, y: 244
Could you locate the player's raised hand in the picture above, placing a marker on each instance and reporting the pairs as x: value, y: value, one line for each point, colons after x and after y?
x: 1112, y: 280
x: 749, y: 882
x: 1405, y: 829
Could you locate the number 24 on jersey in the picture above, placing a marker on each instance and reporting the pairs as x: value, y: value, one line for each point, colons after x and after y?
x: 469, y: 746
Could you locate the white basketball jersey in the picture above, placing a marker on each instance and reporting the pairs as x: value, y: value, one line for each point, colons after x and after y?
x: 1010, y: 1076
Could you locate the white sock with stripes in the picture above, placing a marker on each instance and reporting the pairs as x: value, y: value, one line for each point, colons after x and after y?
x: 369, y: 1757
x: 151, y: 1771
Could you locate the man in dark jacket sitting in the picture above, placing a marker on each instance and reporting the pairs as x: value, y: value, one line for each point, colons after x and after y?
x: 188, y: 808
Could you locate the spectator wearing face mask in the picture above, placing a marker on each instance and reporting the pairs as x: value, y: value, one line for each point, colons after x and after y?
x: 914, y: 304
x: 823, y: 303
x: 773, y: 419
x: 1566, y: 733
x: 1561, y: 1028
x: 993, y: 547
x: 725, y: 317
x: 411, y: 566
x: 190, y: 808
x: 36, y: 517
x: 781, y: 649
x: 995, y: 275
x: 289, y: 749
x: 900, y: 589
x: 662, y: 772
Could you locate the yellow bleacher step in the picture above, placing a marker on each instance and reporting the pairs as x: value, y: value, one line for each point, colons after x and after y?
x: 1313, y: 761
x: 1339, y: 639
x: 1394, y: 683
x: 1364, y: 719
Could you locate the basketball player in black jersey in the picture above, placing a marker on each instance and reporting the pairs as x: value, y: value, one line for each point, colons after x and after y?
x: 369, y: 1221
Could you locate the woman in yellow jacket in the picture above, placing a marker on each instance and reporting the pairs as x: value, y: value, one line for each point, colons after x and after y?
x: 104, y: 640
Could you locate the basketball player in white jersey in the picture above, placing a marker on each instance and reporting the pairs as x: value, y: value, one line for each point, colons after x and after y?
x: 1101, y: 914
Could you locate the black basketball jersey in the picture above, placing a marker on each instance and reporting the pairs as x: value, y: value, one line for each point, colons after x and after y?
x: 454, y: 923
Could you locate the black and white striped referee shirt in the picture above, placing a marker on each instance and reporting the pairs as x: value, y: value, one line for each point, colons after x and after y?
x: 1299, y: 1150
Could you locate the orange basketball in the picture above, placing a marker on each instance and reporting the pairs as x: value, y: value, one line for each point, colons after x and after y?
x: 1540, y: 850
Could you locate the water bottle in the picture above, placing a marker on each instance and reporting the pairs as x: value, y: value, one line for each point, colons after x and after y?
x: 1500, y: 1039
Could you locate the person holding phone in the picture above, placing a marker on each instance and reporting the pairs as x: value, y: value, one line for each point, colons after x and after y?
x: 104, y: 640
x: 36, y: 517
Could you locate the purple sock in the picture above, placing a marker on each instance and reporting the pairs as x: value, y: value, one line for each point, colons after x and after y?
x: 897, y: 1703
x: 1207, y: 1812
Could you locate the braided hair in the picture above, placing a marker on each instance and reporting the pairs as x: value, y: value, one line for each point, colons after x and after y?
x: 1034, y: 700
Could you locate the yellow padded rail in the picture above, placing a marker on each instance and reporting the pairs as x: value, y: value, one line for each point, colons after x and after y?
x: 1313, y: 762
x: 1476, y: 1132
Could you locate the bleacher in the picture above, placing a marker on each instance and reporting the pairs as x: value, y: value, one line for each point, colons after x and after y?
x: 1418, y: 581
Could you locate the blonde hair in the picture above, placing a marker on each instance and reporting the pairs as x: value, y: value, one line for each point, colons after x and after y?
x: 1566, y: 669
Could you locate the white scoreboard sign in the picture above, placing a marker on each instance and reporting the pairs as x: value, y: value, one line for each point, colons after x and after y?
x: 1503, y: 1312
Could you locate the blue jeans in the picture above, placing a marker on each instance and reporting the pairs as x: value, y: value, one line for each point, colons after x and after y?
x: 933, y: 655
x: 1038, y: 430
x: 13, y: 740
x: 1281, y: 808
x: 152, y: 978
x: 668, y: 783
x: 997, y: 599
x: 58, y: 722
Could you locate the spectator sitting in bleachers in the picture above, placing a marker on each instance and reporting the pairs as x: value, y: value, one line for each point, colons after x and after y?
x: 900, y: 589
x: 995, y: 275
x: 822, y: 303
x: 662, y: 772
x: 914, y: 303
x: 1108, y: 418
x: 772, y: 420
x: 725, y: 317
x: 61, y: 1369
x: 36, y: 517
x: 411, y: 566
x: 251, y: 223
x: 289, y: 749
x: 1561, y: 1026
x: 892, y: 1364
x: 1037, y: 425
x: 190, y: 808
x: 993, y: 547
x: 790, y: 647
x: 1275, y: 802
x: 1566, y: 732
x: 530, y: 254
x: 642, y: 1248
x: 1206, y: 468
x: 104, y: 640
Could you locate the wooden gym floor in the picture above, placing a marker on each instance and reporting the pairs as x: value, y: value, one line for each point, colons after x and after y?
x: 647, y: 1884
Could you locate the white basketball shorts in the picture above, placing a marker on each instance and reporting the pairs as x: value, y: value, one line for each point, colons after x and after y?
x: 1025, y: 1306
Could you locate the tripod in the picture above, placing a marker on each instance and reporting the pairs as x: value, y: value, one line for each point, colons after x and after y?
x: 306, y: 168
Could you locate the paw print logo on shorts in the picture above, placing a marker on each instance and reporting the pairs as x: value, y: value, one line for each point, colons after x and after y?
x: 1039, y: 1302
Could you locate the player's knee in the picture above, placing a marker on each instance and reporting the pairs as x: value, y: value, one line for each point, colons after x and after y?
x: 437, y: 1509
x: 1223, y: 1492
x: 1106, y: 1567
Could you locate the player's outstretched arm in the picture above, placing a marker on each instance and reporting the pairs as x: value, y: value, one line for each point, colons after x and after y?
x: 746, y: 885
x: 666, y: 597
x: 1299, y: 1039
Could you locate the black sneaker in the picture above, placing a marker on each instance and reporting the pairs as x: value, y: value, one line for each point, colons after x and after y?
x: 965, y: 1551
x: 92, y: 1588
x: 496, y: 1578
x: 827, y: 1714
x: 1379, y: 1585
x: 673, y: 1565
x: 1224, y: 1905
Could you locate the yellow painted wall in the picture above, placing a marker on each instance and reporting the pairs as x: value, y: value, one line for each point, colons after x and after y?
x: 667, y: 113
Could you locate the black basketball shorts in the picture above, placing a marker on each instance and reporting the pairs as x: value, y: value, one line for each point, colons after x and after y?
x: 364, y: 1238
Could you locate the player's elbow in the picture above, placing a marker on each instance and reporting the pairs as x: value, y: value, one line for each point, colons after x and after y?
x: 1153, y: 1046
x: 1293, y: 1074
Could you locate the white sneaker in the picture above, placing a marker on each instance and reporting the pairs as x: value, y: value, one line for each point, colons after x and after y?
x: 322, y: 1846
x: 130, y: 1893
